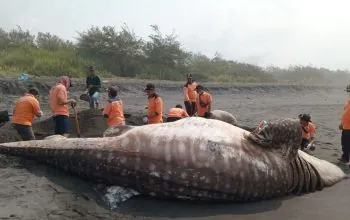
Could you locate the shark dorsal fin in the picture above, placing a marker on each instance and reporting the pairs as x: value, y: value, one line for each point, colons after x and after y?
x: 283, y: 135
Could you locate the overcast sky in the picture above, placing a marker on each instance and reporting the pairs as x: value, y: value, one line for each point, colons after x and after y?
x: 262, y: 32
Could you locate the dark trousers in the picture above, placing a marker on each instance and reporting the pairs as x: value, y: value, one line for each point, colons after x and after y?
x: 190, y: 107
x: 345, y: 143
x: 171, y: 119
x: 25, y: 131
x: 63, y: 124
x: 304, y: 143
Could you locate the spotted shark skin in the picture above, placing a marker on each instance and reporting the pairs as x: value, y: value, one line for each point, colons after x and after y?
x: 193, y: 158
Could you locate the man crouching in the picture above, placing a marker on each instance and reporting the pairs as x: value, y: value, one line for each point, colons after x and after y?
x: 308, y: 132
x: 176, y: 113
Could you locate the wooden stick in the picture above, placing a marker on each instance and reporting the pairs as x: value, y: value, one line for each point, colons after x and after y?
x: 76, y: 121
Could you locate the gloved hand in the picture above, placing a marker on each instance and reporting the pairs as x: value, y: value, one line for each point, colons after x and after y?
x: 310, y: 147
x: 73, y: 103
x: 207, y: 115
x: 145, y: 120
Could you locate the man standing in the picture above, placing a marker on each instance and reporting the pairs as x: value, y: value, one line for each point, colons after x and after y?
x: 190, y: 95
x: 25, y: 109
x: 308, y: 132
x: 203, y: 102
x: 93, y: 85
x: 155, y: 105
x: 345, y: 127
x: 59, y: 106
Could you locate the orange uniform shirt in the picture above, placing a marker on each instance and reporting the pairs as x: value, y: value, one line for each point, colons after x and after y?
x: 202, y: 103
x: 190, y: 92
x: 155, y: 104
x: 58, y: 91
x: 177, y: 113
x: 345, y: 119
x: 115, y: 112
x: 25, y: 109
x: 309, y: 131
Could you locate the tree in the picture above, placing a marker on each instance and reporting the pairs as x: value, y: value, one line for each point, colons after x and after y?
x: 51, y: 42
x: 117, y: 52
x: 4, y: 39
x: 164, y: 55
x: 18, y: 37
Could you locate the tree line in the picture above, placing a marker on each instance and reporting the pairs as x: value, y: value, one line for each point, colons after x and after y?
x: 119, y: 52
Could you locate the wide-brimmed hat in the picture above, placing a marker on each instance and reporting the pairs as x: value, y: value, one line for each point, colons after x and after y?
x: 305, y: 117
x: 112, y: 89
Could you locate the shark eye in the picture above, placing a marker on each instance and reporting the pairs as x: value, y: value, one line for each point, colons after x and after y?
x: 262, y: 125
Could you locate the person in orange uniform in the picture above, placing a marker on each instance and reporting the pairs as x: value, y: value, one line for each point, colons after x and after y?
x: 190, y: 95
x: 25, y: 109
x: 308, y: 130
x: 203, y: 102
x: 114, y: 110
x: 176, y: 113
x: 344, y: 126
x: 155, y: 105
x: 59, y: 102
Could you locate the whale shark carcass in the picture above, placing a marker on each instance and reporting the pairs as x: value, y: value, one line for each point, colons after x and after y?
x: 193, y: 158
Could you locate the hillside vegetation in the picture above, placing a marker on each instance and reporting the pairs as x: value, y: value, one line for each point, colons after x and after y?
x: 119, y: 52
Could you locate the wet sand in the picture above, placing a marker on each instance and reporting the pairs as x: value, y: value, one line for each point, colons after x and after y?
x: 29, y: 190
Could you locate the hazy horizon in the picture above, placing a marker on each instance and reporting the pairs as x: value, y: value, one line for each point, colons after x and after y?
x: 279, y: 33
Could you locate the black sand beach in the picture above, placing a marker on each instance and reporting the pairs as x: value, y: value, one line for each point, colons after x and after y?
x: 29, y: 190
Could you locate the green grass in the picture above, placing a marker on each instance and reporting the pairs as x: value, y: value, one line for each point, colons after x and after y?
x: 40, y: 62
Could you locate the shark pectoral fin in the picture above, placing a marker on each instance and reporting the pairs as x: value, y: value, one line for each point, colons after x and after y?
x: 250, y: 129
x: 117, y: 130
x: 114, y: 195
x: 55, y: 137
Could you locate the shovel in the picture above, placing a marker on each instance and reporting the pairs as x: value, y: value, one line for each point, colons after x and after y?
x: 85, y: 97
x: 76, y: 121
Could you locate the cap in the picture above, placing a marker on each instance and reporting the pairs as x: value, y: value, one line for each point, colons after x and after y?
x: 347, y: 88
x: 149, y: 86
x: 305, y: 117
x: 33, y: 90
x: 199, y: 87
